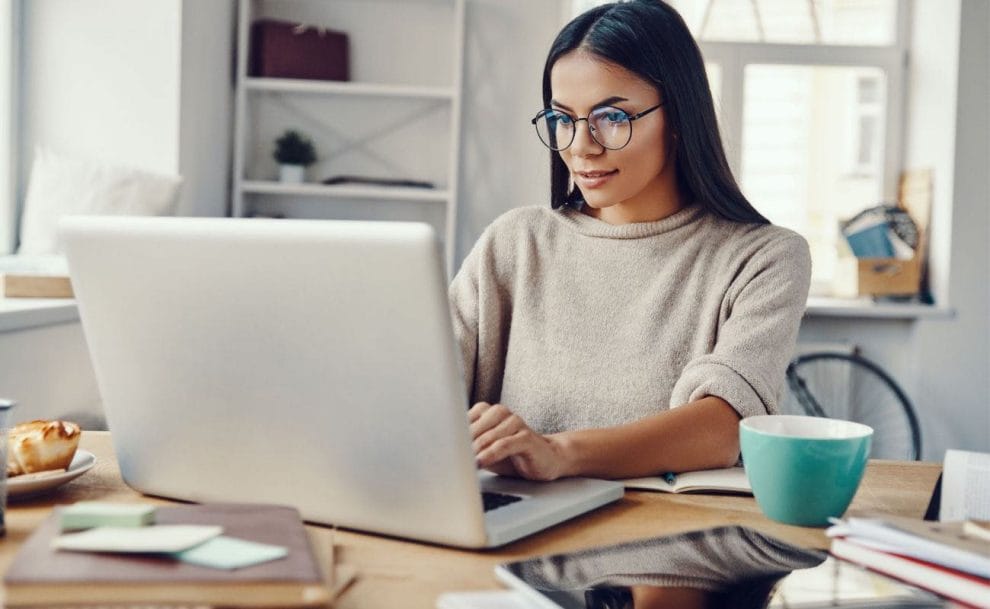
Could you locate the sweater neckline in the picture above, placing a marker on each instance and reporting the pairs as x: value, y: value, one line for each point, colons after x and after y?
x: 593, y: 227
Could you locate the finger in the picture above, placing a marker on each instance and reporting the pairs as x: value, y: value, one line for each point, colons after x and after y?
x: 489, y: 419
x: 503, y: 448
x: 503, y: 468
x: 477, y: 410
x: 506, y: 427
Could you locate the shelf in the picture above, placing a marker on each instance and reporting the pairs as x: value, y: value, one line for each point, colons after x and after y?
x: 346, y: 191
x: 331, y: 87
x: 414, y: 95
x: 866, y: 308
x: 24, y: 313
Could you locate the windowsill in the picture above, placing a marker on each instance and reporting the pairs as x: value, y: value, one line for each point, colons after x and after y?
x: 866, y: 308
x: 23, y: 313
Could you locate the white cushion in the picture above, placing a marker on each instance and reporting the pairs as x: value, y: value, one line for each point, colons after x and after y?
x: 62, y: 185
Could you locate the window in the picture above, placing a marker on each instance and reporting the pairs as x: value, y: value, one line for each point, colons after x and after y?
x: 808, y: 159
x: 809, y: 97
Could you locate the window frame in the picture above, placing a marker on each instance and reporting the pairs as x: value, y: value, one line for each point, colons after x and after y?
x: 863, y: 110
x: 10, y: 16
x: 733, y: 57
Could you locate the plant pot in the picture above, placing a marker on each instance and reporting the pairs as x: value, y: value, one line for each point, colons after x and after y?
x: 292, y: 174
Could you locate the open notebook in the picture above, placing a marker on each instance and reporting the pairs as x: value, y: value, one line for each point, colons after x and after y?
x: 727, y: 480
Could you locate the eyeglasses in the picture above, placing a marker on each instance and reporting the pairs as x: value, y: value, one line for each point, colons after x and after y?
x: 610, y: 127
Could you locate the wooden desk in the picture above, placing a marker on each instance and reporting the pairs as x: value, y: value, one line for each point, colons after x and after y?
x: 396, y: 573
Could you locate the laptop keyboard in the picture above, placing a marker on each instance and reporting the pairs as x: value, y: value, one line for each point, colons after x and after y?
x: 492, y: 501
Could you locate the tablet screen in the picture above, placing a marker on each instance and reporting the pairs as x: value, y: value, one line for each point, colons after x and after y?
x: 730, y: 566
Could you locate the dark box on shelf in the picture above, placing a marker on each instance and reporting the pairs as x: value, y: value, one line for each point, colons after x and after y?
x: 280, y: 49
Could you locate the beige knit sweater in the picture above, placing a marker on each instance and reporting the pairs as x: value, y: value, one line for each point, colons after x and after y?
x: 575, y: 323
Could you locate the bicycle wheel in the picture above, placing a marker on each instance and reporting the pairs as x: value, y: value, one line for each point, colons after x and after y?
x: 850, y: 387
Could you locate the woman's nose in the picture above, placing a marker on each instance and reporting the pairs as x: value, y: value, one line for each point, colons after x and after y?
x: 584, y: 143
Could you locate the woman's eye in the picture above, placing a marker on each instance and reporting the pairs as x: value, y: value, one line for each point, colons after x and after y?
x: 615, y: 116
x: 563, y: 119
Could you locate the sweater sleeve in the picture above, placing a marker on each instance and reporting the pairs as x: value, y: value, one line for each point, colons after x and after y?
x: 479, y: 313
x: 463, y: 296
x: 755, y: 341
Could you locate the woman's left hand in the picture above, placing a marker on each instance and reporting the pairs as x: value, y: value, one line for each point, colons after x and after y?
x: 504, y: 444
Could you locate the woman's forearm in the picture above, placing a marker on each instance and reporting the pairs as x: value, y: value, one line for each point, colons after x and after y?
x: 701, y: 435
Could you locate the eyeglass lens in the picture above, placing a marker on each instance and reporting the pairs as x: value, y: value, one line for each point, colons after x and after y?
x: 609, y: 126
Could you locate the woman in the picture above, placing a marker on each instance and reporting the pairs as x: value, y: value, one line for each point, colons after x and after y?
x: 625, y: 331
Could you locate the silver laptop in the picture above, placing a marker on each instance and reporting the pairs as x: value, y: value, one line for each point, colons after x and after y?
x: 301, y: 362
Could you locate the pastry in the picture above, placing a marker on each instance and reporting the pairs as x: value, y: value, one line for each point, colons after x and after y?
x: 40, y: 446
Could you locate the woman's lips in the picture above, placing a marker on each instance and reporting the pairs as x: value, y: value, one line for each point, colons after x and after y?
x: 593, y: 179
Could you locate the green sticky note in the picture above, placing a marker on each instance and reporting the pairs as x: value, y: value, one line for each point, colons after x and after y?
x: 163, y: 538
x: 90, y: 514
x: 230, y: 553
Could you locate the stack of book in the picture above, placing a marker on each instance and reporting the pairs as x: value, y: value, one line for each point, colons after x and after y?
x: 106, y: 566
x: 951, y: 559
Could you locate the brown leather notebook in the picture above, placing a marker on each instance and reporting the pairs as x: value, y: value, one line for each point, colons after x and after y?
x: 41, y: 575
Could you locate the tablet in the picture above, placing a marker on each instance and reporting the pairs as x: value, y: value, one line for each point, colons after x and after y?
x: 730, y: 566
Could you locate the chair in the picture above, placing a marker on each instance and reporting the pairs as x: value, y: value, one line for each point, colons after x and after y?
x: 851, y: 387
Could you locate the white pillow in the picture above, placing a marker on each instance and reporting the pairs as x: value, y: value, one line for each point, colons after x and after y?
x: 62, y: 185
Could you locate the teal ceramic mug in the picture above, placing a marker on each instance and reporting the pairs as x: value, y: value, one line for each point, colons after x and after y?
x: 803, y: 470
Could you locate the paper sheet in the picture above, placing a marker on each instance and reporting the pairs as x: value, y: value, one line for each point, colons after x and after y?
x: 965, y: 486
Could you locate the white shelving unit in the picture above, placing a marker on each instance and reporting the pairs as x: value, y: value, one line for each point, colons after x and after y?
x: 289, y: 85
x: 399, y: 117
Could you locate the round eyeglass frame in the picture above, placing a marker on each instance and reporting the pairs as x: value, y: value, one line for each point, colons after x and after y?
x: 542, y: 113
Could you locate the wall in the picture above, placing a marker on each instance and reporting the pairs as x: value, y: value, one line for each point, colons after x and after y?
x: 206, y: 110
x: 46, y: 370
x: 503, y: 164
x: 144, y: 83
x: 953, y: 357
x: 101, y: 79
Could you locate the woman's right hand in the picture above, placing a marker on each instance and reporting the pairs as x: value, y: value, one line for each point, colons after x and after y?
x: 504, y: 444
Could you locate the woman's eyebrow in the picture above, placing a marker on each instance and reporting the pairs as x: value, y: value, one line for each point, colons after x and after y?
x: 605, y: 102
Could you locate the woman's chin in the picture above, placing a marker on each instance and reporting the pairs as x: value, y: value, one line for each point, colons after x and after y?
x: 597, y: 204
x: 594, y: 200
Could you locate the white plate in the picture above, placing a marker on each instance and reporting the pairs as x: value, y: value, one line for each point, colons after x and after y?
x: 82, y: 462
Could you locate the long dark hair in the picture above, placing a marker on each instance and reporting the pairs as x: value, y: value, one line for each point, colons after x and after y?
x: 651, y: 40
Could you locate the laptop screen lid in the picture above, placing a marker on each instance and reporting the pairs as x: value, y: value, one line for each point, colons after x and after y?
x: 303, y: 362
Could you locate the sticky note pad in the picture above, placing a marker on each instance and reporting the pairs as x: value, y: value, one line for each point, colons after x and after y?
x: 162, y: 538
x: 230, y: 553
x: 90, y: 514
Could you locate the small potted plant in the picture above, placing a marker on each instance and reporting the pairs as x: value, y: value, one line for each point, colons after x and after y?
x: 294, y: 152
